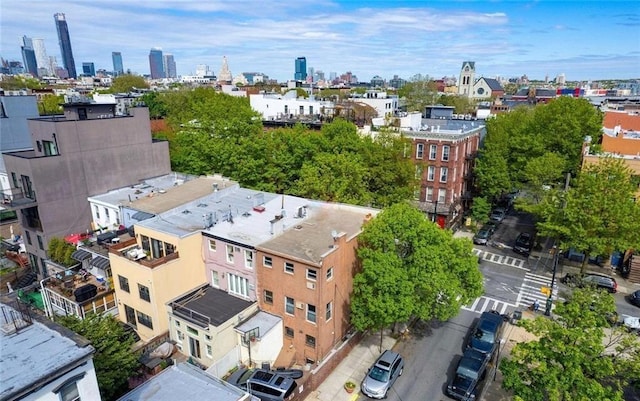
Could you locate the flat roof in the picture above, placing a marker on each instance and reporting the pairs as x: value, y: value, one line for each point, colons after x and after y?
x: 263, y: 321
x: 213, y: 303
x: 185, y: 382
x: 312, y: 238
x: 36, y: 353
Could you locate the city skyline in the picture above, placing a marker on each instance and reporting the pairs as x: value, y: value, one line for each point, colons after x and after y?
x: 585, y: 40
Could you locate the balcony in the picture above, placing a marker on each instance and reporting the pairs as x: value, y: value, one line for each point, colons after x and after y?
x: 16, y: 199
x: 139, y: 255
x: 65, y: 295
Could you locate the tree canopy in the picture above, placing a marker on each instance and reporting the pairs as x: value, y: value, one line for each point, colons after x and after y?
x: 517, y: 145
x: 114, y: 360
x: 411, y: 268
x: 60, y: 252
x: 597, y: 214
x: 126, y: 82
x: 419, y: 92
x: 576, y: 356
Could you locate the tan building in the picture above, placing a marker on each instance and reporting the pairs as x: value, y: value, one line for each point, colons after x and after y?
x: 305, y: 275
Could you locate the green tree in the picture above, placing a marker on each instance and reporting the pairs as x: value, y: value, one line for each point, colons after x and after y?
x: 480, y: 209
x: 157, y: 107
x: 114, y: 360
x: 50, y: 105
x: 462, y: 104
x: 419, y: 92
x: 125, y: 83
x: 20, y: 82
x: 573, y: 357
x: 60, y: 252
x: 543, y: 172
x: 597, y: 214
x: 431, y: 274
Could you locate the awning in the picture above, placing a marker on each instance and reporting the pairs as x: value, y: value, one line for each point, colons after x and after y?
x: 100, y: 262
x: 142, y: 216
x: 80, y: 255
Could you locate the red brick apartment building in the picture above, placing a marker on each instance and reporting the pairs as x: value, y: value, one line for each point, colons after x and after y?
x: 305, y: 275
x: 444, y: 154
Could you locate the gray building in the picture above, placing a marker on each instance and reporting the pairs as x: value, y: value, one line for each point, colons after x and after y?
x: 87, y: 151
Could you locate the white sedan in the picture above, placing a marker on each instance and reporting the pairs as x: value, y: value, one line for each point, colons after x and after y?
x: 630, y: 322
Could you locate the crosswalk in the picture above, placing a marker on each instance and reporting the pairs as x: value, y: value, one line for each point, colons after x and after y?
x: 531, y: 290
x: 501, y: 259
x: 484, y: 304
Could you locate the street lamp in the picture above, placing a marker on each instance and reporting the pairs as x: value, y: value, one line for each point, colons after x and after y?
x: 556, y: 253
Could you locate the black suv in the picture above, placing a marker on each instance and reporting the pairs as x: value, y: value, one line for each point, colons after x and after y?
x: 524, y: 244
x: 264, y: 384
x: 485, y: 336
x: 470, y: 371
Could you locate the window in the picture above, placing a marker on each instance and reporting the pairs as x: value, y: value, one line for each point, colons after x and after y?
x: 312, y: 274
x: 106, y: 213
x: 230, y: 253
x: 177, y: 322
x: 215, y: 279
x: 40, y: 243
x: 289, y: 305
x: 288, y: 267
x: 50, y: 148
x: 444, y: 171
x: 445, y: 153
x: 267, y: 261
x: 329, y: 311
x: 124, y: 283
x: 268, y: 297
x: 70, y: 392
x: 145, y: 320
x: 442, y: 195
x: 310, y: 341
x: 248, y: 259
x: 329, y: 273
x: 311, y: 313
x: 157, y: 248
x: 28, y: 234
x: 431, y: 173
x: 180, y: 336
x: 97, y: 210
x: 130, y: 314
x: 238, y: 285
x: 169, y: 248
x: 301, y: 110
x: 212, y: 245
x: 433, y: 151
x: 209, y: 351
x: 310, y: 109
x: 144, y: 292
x: 191, y: 330
x: 428, y: 195
x: 419, y: 170
x: 419, y: 151
x: 288, y: 331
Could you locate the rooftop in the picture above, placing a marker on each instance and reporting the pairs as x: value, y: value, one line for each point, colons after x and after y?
x: 36, y: 353
x: 211, y: 306
x: 263, y: 321
x: 447, y: 129
x: 185, y: 382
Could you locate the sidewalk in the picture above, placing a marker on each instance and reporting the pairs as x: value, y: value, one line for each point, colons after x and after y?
x: 353, y: 367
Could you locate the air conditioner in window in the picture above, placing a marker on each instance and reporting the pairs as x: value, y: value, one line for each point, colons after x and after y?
x: 299, y: 305
x: 311, y: 285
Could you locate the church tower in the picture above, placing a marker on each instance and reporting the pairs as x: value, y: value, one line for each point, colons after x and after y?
x: 467, y: 78
x: 225, y: 75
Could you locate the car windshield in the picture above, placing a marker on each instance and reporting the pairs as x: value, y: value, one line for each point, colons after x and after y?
x: 469, y: 367
x: 483, y: 233
x: 482, y: 340
x: 378, y: 374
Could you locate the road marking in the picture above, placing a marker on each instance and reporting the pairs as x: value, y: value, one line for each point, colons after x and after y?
x: 483, y: 304
x: 500, y: 259
x: 530, y: 290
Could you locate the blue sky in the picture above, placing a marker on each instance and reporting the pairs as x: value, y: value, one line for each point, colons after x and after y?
x: 585, y: 40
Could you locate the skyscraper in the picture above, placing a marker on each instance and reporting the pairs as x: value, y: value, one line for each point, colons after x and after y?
x: 89, y: 69
x: 29, y: 57
x: 301, y: 69
x: 65, y: 45
x: 156, y: 63
x: 169, y: 66
x: 118, y: 69
x: 41, y: 57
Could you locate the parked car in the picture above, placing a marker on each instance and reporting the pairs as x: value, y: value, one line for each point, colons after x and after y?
x: 498, y: 214
x: 631, y: 323
x: 469, y: 373
x: 482, y: 236
x: 634, y: 298
x: 486, y: 333
x: 381, y: 376
x: 524, y: 244
x: 599, y: 281
x: 267, y: 385
x: 492, y: 226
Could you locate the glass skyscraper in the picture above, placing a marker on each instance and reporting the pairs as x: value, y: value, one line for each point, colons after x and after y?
x: 118, y: 69
x: 89, y: 69
x: 29, y: 56
x: 65, y: 45
x: 169, y: 66
x: 156, y: 63
x: 301, y: 69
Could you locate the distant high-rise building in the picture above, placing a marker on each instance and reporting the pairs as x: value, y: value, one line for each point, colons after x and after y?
x: 169, y: 64
x: 118, y: 68
x: 301, y: 69
x: 156, y: 63
x: 65, y: 45
x: 89, y: 69
x: 202, y: 70
x: 41, y: 57
x: 29, y: 57
x: 225, y: 73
